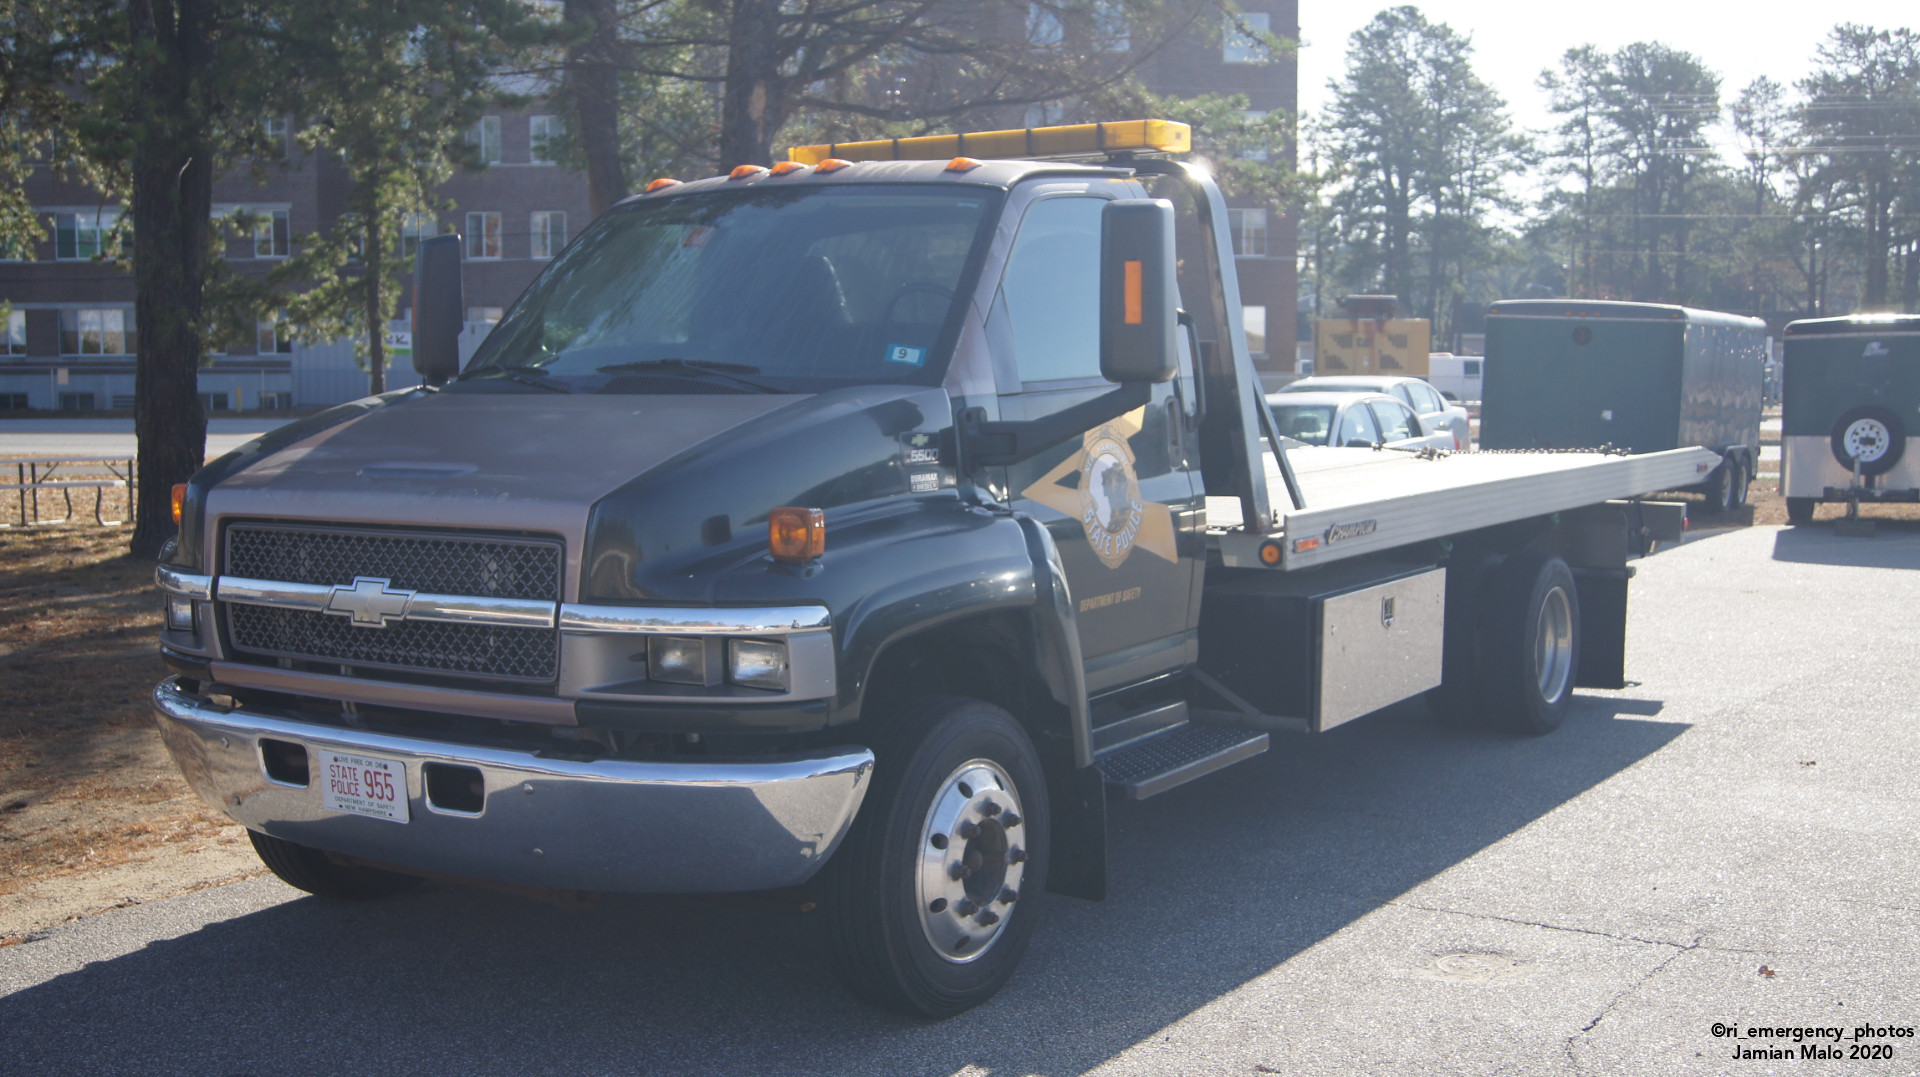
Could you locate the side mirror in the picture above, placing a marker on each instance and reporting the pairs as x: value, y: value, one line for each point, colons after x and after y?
x: 1139, y: 298
x: 438, y: 311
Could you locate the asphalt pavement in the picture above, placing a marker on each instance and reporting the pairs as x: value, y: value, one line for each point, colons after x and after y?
x: 1731, y: 840
x: 48, y: 438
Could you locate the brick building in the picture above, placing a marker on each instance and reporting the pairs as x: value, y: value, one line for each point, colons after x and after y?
x: 1202, y: 62
x: 70, y: 336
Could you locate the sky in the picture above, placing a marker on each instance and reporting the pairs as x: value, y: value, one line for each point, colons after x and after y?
x: 1513, y: 41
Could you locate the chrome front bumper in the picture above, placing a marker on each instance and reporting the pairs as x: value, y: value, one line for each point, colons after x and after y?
x: 611, y: 825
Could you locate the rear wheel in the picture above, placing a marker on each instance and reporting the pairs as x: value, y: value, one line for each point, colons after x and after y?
x: 1718, y: 490
x: 305, y: 868
x: 1533, y: 644
x: 928, y: 902
x: 1800, y: 510
x: 1736, y: 484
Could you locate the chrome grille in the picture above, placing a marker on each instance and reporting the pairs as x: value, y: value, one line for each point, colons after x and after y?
x: 449, y: 564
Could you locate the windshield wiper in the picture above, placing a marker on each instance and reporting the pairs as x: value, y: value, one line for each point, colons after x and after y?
x: 729, y: 371
x: 533, y: 376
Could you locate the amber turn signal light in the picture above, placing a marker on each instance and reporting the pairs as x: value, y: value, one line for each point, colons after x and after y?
x: 796, y: 535
x: 179, y: 501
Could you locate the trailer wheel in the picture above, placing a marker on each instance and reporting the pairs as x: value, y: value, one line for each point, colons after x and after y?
x: 930, y: 900
x: 1800, y: 510
x: 1532, y: 645
x: 1717, y: 491
x: 1873, y: 435
x: 305, y: 868
x: 1736, y: 484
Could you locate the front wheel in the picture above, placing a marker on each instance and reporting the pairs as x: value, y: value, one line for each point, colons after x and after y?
x: 930, y: 901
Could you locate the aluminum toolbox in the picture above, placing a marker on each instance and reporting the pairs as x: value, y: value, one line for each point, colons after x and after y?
x: 1326, y: 646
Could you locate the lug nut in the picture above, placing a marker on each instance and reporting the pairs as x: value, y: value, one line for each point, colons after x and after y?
x: 957, y: 871
x: 968, y: 829
x: 1016, y: 855
x: 966, y: 907
x: 1008, y: 895
x: 989, y: 809
x: 987, y: 918
x: 1012, y: 820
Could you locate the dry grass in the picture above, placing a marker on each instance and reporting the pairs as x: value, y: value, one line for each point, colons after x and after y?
x: 84, y: 780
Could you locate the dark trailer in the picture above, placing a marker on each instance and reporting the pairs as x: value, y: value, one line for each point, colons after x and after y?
x: 1851, y: 392
x: 1573, y: 374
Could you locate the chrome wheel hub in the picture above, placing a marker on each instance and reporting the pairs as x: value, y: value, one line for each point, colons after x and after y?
x: 1553, y: 647
x: 1867, y: 440
x: 972, y: 860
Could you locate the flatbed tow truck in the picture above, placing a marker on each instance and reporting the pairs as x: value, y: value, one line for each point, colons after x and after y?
x: 852, y: 530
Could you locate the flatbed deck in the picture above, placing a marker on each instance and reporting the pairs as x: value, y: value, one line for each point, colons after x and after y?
x: 1362, y: 501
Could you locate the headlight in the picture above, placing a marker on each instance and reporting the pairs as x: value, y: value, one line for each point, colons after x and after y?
x: 677, y: 660
x: 757, y: 664
x: 179, y: 613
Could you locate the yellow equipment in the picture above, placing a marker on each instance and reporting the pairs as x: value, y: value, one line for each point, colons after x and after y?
x: 1142, y: 137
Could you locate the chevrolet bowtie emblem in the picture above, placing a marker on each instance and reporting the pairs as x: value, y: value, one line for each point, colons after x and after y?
x: 370, y: 603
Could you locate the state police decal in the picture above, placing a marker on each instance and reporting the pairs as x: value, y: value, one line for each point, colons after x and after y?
x: 1106, y: 496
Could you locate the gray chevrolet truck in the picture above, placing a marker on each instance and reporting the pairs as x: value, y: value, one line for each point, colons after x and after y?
x: 852, y: 529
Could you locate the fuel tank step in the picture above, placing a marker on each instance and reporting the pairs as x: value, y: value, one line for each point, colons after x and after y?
x: 1152, y: 765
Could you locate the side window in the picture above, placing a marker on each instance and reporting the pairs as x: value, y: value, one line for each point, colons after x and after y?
x: 1396, y: 422
x: 1426, y: 401
x: 1052, y: 290
x: 1357, y: 425
x: 1404, y: 393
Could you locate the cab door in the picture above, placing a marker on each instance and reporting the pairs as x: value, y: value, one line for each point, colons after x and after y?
x: 1122, y: 500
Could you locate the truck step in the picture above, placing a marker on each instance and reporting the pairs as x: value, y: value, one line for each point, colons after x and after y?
x: 1138, y: 726
x: 1152, y: 765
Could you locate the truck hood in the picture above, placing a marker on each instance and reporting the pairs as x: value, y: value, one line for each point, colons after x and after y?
x: 515, y: 462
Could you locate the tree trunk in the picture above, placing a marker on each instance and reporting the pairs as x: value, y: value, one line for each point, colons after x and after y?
x: 376, y: 308
x: 172, y: 173
x: 593, y: 84
x: 752, y: 106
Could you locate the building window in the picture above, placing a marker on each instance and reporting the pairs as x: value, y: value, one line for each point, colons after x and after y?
x: 1258, y: 151
x: 83, y: 235
x: 1249, y: 229
x: 277, y: 130
x: 17, y: 332
x: 549, y: 232
x: 96, y: 332
x: 485, y: 138
x: 485, y: 315
x: 1110, y: 29
x: 13, y: 401
x: 216, y: 401
x: 543, y: 133
x: 76, y: 401
x: 483, y: 235
x: 275, y: 401
x: 271, y: 337
x: 416, y: 227
x: 1242, y: 47
x: 1255, y: 321
x: 270, y: 233
x: 1043, y: 26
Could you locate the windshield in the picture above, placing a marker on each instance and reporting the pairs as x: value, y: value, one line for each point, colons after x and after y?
x: 1310, y: 423
x: 762, y: 290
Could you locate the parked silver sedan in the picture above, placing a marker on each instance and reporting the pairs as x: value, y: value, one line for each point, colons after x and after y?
x: 1435, y: 411
x: 1352, y: 419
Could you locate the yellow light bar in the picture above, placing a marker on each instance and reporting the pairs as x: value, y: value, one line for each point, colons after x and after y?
x: 1023, y: 143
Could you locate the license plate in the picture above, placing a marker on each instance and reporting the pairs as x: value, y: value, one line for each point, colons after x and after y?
x: 364, y: 785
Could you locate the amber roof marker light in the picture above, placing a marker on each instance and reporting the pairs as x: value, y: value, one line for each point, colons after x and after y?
x: 661, y: 184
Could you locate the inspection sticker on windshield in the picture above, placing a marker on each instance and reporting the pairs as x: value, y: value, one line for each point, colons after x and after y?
x: 901, y: 353
x: 364, y: 785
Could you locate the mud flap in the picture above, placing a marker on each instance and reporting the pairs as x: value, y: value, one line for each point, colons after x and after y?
x: 1603, y: 627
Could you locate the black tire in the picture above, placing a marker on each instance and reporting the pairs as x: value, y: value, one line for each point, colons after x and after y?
x: 871, y: 889
x: 305, y: 868
x: 1717, y: 491
x: 1737, y: 479
x: 1800, y: 510
x: 1531, y: 649
x: 1877, y: 432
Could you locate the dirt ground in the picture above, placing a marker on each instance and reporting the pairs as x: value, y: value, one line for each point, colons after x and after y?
x: 93, y: 814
